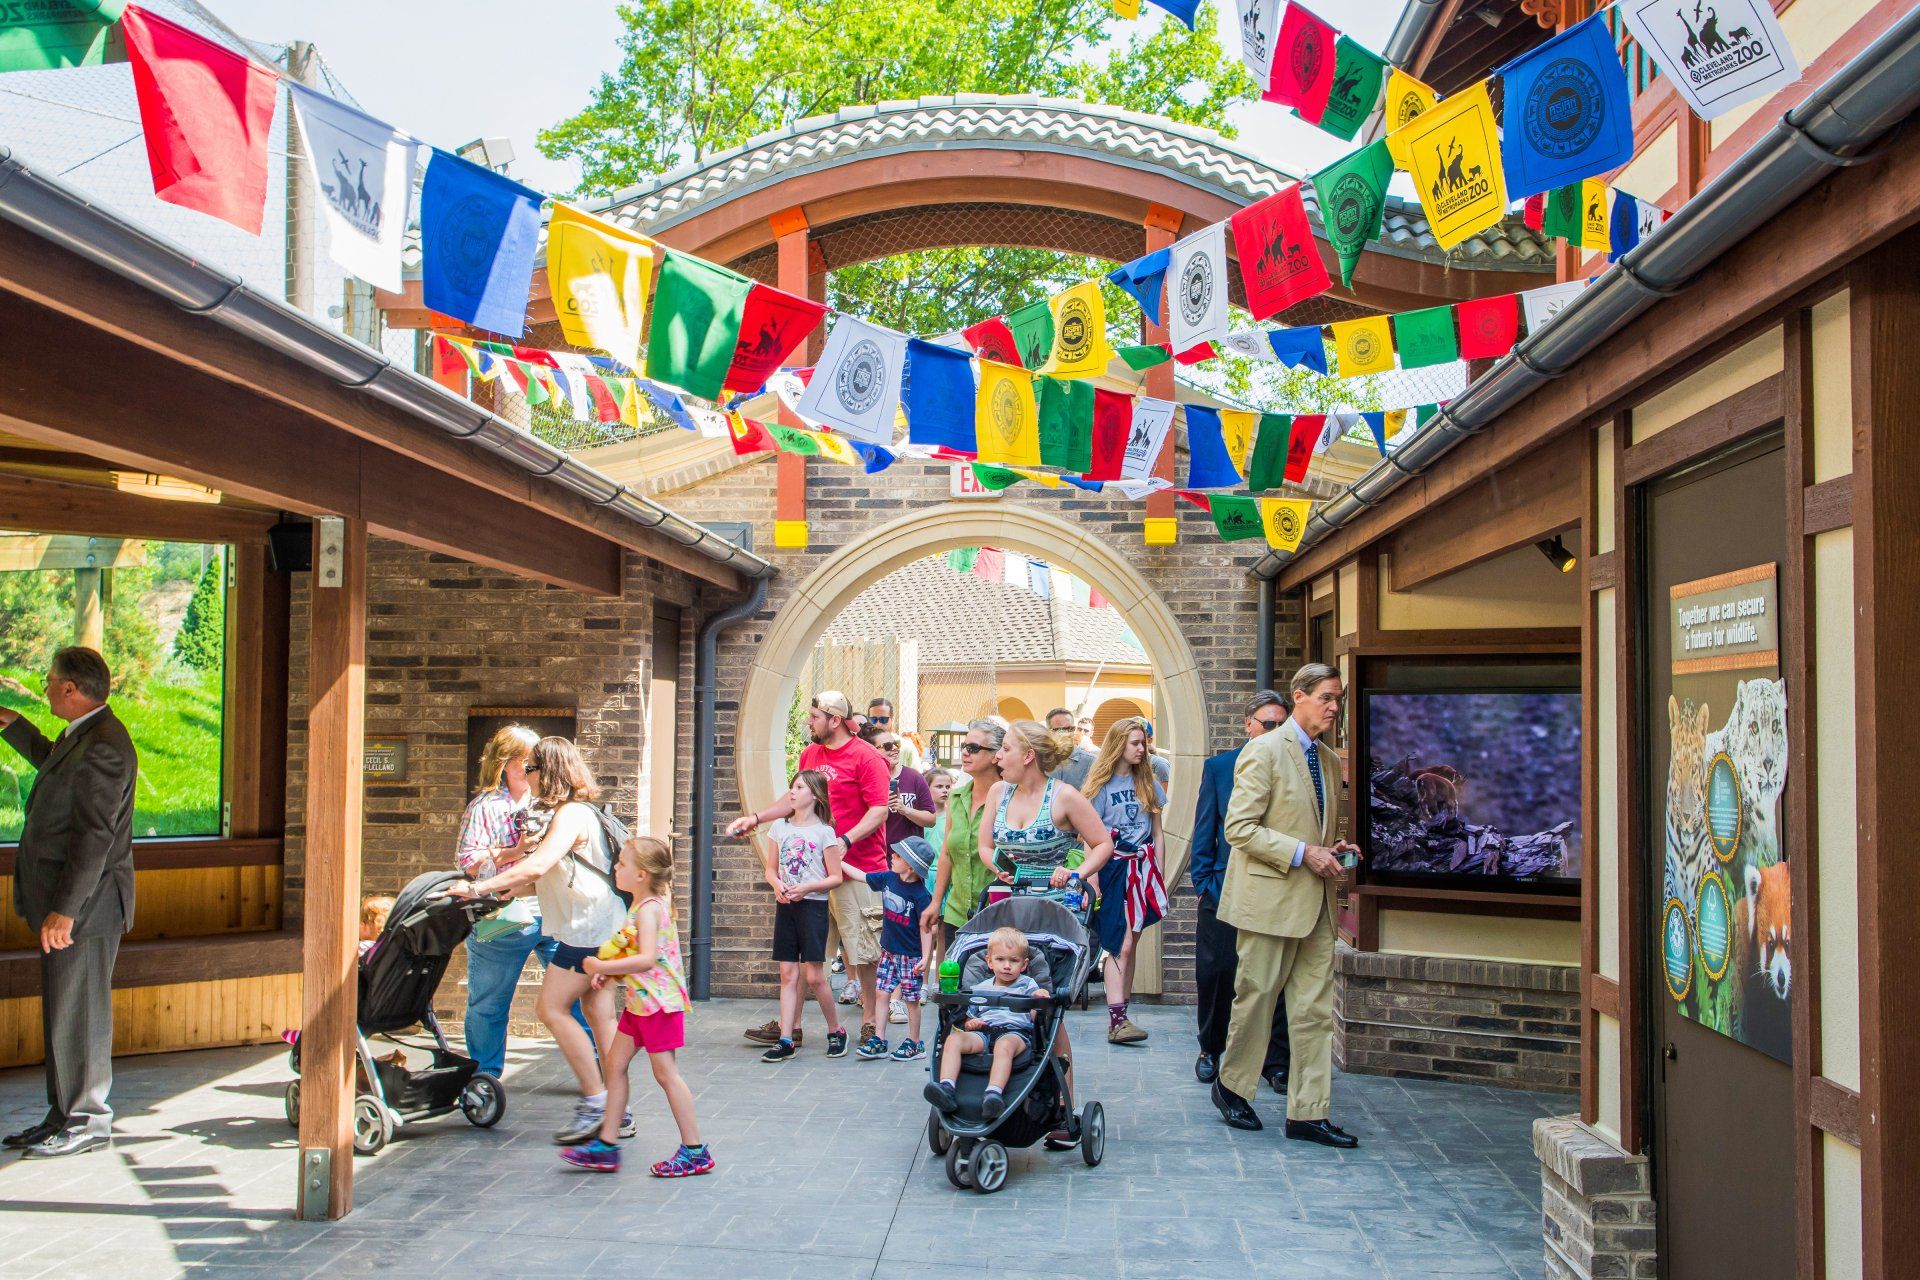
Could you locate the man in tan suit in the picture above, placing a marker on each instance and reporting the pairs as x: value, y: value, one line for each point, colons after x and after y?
x: 1281, y: 872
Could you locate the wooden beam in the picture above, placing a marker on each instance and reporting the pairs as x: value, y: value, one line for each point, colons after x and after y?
x: 1848, y: 215
x: 1603, y: 995
x: 164, y: 962
x: 1746, y: 412
x: 80, y: 508
x: 75, y: 288
x: 1537, y: 497
x: 258, y: 646
x: 1828, y: 505
x: 1835, y: 1109
x: 336, y: 730
x: 185, y: 854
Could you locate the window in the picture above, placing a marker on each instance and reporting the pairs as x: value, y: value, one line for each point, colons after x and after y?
x: 157, y: 610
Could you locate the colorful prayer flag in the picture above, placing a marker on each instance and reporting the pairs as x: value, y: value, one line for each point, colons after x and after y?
x: 1235, y: 518
x: 1236, y: 433
x: 1269, y: 466
x: 1406, y: 98
x: 993, y: 340
x: 1365, y: 345
x: 1112, y: 420
x: 206, y: 113
x: 1259, y: 33
x: 1567, y: 110
x: 1578, y: 214
x: 1307, y: 429
x: 939, y: 394
x: 1197, y: 295
x: 961, y: 559
x: 1376, y: 421
x: 599, y: 276
x: 773, y: 324
x: 1425, y: 337
x: 1080, y: 347
x: 1302, y: 64
x: 749, y: 436
x: 1181, y: 9
x: 1249, y: 344
x: 1144, y: 279
x: 1736, y: 54
x: 364, y: 169
x: 53, y: 34
x: 1006, y: 419
x: 856, y: 386
x: 988, y: 564
x: 1209, y: 465
x: 1357, y: 73
x: 697, y: 310
x: 1488, y: 326
x: 1032, y: 327
x: 1279, y: 263
x: 1304, y: 347
x: 1352, y: 193
x: 479, y: 233
x: 1065, y: 410
x: 1632, y: 220
x: 1146, y: 355
x: 1151, y: 420
x: 1285, y: 521
x: 1453, y: 153
x: 1128, y: 9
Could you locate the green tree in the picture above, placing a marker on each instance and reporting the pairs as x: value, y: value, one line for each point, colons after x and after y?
x: 36, y: 617
x: 202, y: 642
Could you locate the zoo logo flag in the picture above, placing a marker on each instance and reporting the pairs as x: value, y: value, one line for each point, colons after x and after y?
x: 44, y: 35
x: 1302, y: 64
x: 364, y: 169
x: 697, y: 310
x: 1567, y: 111
x: 1032, y: 329
x: 1006, y: 419
x: 1543, y: 304
x: 856, y: 386
x: 1352, y: 193
x: 772, y: 324
x: 1453, y: 153
x: 1285, y: 521
x: 1357, y: 73
x: 1209, y: 463
x: 1488, y: 326
x: 1080, y: 347
x: 1365, y: 346
x: 479, y: 233
x: 1279, y: 264
x: 1235, y: 518
x: 1726, y: 53
x: 1425, y: 337
x: 598, y: 275
x: 1259, y: 32
x: 1406, y: 98
x: 1152, y: 419
x: 939, y: 394
x: 1197, y: 294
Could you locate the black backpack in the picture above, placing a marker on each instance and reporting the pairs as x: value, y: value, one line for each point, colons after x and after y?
x: 617, y: 835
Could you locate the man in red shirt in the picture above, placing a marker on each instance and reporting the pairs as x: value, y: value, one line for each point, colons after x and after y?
x: 857, y: 777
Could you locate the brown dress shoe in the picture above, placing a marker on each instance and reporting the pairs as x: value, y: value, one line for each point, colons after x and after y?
x: 1125, y: 1033
x: 769, y: 1033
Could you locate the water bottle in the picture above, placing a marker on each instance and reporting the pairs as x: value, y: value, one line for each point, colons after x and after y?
x: 1076, y: 897
x: 949, y: 976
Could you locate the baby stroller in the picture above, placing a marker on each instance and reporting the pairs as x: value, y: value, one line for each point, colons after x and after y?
x: 397, y: 980
x: 1038, y: 1100
x: 1038, y: 882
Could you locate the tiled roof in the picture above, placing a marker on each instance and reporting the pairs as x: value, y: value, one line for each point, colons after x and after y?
x: 962, y: 619
x: 1200, y: 156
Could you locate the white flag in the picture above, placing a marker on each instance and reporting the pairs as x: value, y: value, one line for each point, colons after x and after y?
x: 364, y: 169
x: 1013, y: 569
x: 1543, y: 304
x: 1259, y: 32
x: 856, y: 386
x: 1151, y: 421
x: 711, y: 422
x: 1197, y: 289
x: 1253, y: 344
x: 1717, y: 53
x: 1337, y: 425
x: 570, y: 380
x: 1136, y: 489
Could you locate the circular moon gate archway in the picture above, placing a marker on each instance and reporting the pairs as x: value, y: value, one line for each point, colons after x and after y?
x: 760, y: 755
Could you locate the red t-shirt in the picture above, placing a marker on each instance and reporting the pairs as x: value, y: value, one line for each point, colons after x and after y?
x: 857, y: 777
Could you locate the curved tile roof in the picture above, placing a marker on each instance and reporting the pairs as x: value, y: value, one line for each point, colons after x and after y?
x: 1201, y: 156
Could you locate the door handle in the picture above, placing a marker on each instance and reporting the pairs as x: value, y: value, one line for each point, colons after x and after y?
x: 1670, y: 1053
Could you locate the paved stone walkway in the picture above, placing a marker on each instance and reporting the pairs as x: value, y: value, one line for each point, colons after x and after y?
x: 824, y: 1173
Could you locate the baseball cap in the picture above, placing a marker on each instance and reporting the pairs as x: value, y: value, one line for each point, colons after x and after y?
x: 834, y: 703
x: 918, y: 853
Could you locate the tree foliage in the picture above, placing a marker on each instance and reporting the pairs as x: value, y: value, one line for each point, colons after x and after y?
x: 202, y: 641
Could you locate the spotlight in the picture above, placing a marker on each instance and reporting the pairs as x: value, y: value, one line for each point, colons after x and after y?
x: 1556, y: 551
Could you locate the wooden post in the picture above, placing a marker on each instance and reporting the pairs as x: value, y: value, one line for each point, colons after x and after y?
x: 790, y: 493
x: 1161, y: 526
x: 89, y: 616
x: 336, y: 723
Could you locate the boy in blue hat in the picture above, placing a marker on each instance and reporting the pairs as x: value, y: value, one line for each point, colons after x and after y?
x: 904, y: 944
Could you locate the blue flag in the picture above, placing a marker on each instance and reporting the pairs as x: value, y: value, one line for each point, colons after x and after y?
x: 667, y: 402
x: 872, y: 455
x: 1377, y: 423
x: 479, y: 233
x: 1300, y: 347
x: 1143, y: 278
x: 1209, y: 464
x: 1181, y: 9
x: 1078, y: 482
x: 939, y: 393
x: 1568, y: 116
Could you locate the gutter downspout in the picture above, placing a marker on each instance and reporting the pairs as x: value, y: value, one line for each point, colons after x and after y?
x: 706, y: 660
x: 1263, y: 637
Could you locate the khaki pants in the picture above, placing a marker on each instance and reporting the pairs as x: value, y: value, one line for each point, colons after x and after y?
x: 854, y: 919
x: 1303, y: 969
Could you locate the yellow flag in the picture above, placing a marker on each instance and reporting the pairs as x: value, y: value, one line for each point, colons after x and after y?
x: 1080, y: 347
x: 1127, y: 8
x: 1363, y: 346
x: 1406, y: 98
x: 1006, y: 422
x: 630, y: 402
x: 1236, y: 432
x: 599, y: 276
x: 1284, y: 520
x: 1595, y: 207
x: 1046, y: 478
x: 1453, y: 152
x: 1396, y: 419
x: 836, y: 449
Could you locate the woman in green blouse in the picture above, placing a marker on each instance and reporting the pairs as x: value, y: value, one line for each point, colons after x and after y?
x: 962, y: 876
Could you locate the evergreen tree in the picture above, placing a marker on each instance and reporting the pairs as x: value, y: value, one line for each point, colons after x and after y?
x: 202, y: 642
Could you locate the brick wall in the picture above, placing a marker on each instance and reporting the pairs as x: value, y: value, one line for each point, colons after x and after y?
x: 1596, y: 1205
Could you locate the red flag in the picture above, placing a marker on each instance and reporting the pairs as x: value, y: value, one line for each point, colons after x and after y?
x: 1278, y: 261
x: 1097, y: 601
x: 1535, y: 212
x: 1197, y: 499
x: 1306, y: 433
x: 749, y: 436
x: 605, y: 407
x: 773, y: 324
x: 990, y: 564
x: 1112, y: 421
x: 1488, y: 326
x: 535, y: 355
x: 1303, y: 64
x: 993, y: 340
x: 206, y: 112
x: 1194, y: 355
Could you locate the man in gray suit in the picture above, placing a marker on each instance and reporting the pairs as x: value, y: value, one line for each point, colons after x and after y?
x: 73, y: 880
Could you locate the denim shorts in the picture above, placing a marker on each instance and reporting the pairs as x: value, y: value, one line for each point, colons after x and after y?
x: 570, y: 957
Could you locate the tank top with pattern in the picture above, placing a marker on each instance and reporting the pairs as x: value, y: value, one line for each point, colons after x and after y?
x: 663, y: 988
x: 1040, y: 844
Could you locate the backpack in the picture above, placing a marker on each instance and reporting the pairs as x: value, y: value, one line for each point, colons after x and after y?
x: 616, y: 834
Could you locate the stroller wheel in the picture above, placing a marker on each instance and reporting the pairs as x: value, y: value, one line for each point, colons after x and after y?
x: 1093, y: 1134
x: 293, y: 1103
x: 372, y: 1127
x: 959, y: 1167
x: 483, y: 1101
x: 989, y: 1167
x: 938, y: 1139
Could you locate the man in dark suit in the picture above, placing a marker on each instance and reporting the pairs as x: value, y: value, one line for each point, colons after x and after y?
x: 73, y: 881
x: 1216, y: 960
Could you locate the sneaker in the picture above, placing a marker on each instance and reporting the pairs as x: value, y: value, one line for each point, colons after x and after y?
x: 784, y: 1050
x: 685, y: 1163
x: 992, y: 1105
x: 897, y: 1012
x: 627, y: 1127
x: 600, y: 1157
x: 769, y: 1033
x: 587, y: 1117
x: 870, y: 1048
x: 850, y: 992
x: 1125, y: 1033
x: 944, y: 1097
x: 837, y: 1043
x: 839, y: 964
x: 909, y: 1050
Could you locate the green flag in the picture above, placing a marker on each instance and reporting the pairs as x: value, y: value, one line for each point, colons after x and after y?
x: 792, y: 441
x: 43, y: 35
x: 1142, y: 358
x: 1357, y: 73
x: 994, y: 478
x: 1425, y: 337
x: 1236, y: 518
x: 1422, y: 414
x: 1032, y: 327
x: 1066, y: 424
x: 1563, y: 214
x: 961, y: 559
x: 1269, y: 466
x: 697, y: 308
x: 1352, y: 193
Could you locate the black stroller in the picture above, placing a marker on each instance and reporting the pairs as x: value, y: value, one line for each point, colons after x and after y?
x: 1038, y: 1100
x: 398, y: 978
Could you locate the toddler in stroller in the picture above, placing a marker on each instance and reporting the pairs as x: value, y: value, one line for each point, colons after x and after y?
x: 999, y: 1078
x: 399, y: 974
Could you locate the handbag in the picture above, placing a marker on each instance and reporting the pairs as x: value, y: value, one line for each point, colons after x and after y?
x: 510, y: 918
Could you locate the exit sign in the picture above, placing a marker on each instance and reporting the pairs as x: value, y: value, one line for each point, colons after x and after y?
x: 966, y: 485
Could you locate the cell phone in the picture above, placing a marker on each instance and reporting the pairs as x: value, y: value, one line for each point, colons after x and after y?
x: 893, y: 787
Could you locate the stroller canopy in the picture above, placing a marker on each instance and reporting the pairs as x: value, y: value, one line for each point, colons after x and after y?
x: 1049, y: 927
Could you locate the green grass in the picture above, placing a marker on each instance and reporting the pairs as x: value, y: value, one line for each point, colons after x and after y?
x: 175, y: 722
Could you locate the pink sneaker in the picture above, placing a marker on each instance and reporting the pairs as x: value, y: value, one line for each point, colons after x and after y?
x: 684, y: 1163
x: 598, y: 1156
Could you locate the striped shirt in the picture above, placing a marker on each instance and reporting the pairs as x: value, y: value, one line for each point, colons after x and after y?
x: 492, y: 821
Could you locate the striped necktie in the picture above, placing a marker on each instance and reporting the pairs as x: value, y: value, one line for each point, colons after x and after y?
x: 1319, y: 787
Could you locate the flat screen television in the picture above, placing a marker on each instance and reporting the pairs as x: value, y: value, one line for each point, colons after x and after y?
x: 1473, y: 787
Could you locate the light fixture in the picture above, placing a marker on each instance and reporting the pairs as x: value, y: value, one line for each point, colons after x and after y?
x: 1556, y: 552
x: 168, y: 488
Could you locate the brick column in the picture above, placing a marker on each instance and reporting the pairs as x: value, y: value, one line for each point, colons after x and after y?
x: 790, y: 501
x: 1161, y: 528
x: 1596, y: 1204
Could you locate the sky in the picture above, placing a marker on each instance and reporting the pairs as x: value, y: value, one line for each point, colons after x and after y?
x: 449, y: 80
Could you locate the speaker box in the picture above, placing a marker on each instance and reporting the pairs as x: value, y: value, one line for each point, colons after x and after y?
x: 290, y: 547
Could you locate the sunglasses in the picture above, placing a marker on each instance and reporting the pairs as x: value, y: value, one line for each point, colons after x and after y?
x: 529, y: 767
x: 972, y: 748
x: 1274, y: 723
x: 879, y: 719
x: 889, y: 746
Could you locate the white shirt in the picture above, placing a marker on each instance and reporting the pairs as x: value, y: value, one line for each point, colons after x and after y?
x: 79, y: 720
x: 1308, y: 745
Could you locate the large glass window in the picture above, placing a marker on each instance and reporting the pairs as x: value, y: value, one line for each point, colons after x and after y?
x: 157, y: 610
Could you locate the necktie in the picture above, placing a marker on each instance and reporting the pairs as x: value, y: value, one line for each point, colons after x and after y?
x: 1319, y: 787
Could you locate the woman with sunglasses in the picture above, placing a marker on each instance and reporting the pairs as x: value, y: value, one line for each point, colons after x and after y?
x: 962, y: 877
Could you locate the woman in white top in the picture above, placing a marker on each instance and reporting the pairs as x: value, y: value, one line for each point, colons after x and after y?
x: 578, y: 909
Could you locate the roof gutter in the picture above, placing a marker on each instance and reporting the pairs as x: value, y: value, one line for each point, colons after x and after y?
x: 1410, y: 32
x: 55, y: 212
x: 1832, y: 128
